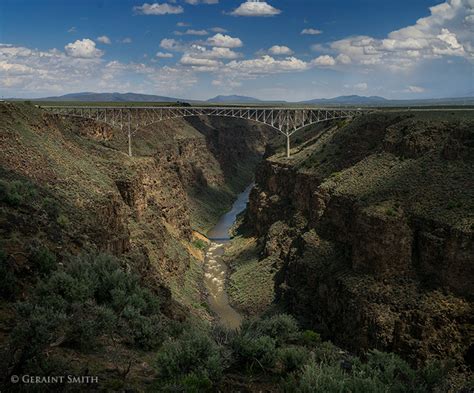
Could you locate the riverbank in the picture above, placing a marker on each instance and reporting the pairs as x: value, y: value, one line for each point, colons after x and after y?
x: 215, y: 268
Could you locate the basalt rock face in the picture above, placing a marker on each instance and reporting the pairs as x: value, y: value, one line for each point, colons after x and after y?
x: 375, y: 234
x: 233, y: 142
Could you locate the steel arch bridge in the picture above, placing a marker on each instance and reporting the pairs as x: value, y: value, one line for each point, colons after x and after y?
x: 287, y: 121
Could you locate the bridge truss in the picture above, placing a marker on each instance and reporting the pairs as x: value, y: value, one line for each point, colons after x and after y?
x: 287, y: 121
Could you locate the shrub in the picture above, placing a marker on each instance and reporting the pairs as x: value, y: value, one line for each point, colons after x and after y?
x: 200, y: 244
x: 196, y: 383
x: 256, y: 350
x: 87, y: 323
x: 281, y: 327
x: 62, y: 220
x: 39, y: 326
x: 321, y: 377
x: 391, y: 370
x: 193, y: 353
x: 8, y: 282
x: 51, y: 207
x: 42, y: 259
x: 310, y: 338
x: 91, y: 298
x: 326, y: 352
x: 292, y: 358
x: 433, y: 374
x: 16, y: 192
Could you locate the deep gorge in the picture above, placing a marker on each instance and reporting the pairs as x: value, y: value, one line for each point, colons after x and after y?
x: 337, y: 236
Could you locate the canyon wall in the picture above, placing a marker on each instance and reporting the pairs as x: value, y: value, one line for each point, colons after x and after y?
x: 372, y: 225
x: 146, y: 208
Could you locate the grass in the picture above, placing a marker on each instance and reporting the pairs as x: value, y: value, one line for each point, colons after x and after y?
x: 251, y: 283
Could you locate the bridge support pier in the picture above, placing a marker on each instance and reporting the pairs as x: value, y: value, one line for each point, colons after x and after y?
x: 288, y: 146
x: 129, y: 142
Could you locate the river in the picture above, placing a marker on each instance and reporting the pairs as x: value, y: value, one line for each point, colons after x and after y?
x: 215, y: 270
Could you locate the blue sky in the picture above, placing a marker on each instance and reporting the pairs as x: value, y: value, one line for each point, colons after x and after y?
x: 275, y: 49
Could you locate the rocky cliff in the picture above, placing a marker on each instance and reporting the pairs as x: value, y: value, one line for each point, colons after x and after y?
x: 372, y: 224
x: 145, y: 207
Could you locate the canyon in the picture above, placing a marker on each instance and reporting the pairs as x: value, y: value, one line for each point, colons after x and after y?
x: 365, y: 235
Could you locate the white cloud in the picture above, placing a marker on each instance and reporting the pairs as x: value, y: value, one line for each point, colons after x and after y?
x: 214, y: 53
x: 280, y: 50
x: 183, y: 24
x: 170, y: 44
x: 104, y: 39
x: 343, y: 59
x: 199, y: 63
x: 415, y: 89
x: 158, y: 9
x: 72, y: 30
x: 84, y: 48
x: 194, y: 2
x: 444, y: 33
x: 324, y: 61
x: 358, y: 86
x: 225, y: 41
x: 311, y: 31
x: 192, y: 32
x: 30, y: 72
x: 163, y: 55
x: 218, y: 30
x: 126, y: 40
x: 265, y: 65
x: 255, y: 8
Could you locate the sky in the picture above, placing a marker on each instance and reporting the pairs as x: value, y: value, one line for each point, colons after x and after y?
x: 290, y: 50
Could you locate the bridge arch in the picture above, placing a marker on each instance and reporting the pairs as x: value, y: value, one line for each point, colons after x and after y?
x: 287, y: 121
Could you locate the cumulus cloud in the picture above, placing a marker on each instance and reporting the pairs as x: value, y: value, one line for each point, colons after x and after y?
x: 84, y: 48
x: 311, y: 31
x: 104, y: 39
x: 126, y: 40
x: 324, y: 61
x: 27, y: 72
x: 158, y: 9
x: 265, y: 65
x: 280, y: 50
x: 255, y: 8
x: 170, y: 44
x: 199, y: 62
x: 204, y: 59
x: 225, y: 41
x: 444, y: 33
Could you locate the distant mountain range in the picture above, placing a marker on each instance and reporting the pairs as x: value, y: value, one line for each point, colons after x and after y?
x: 232, y: 99
x: 109, y: 97
x: 351, y: 100
x: 348, y: 100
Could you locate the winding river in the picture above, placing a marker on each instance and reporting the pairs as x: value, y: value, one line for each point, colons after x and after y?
x: 215, y: 270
